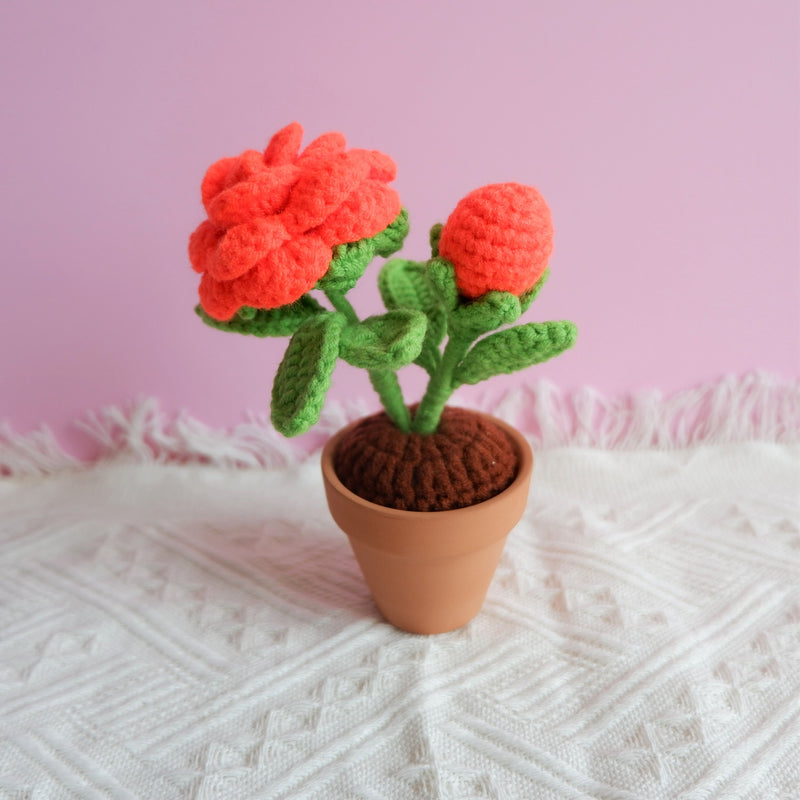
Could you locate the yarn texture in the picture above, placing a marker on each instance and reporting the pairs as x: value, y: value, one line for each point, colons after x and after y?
x: 304, y: 375
x: 468, y: 460
x: 499, y: 237
x: 286, y: 223
x: 510, y: 350
x: 275, y: 217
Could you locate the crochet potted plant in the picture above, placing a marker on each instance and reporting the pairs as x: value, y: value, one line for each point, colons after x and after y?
x: 426, y: 493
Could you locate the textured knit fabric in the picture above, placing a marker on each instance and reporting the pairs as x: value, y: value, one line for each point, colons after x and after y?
x: 498, y: 237
x: 173, y: 631
x: 275, y: 217
x: 468, y: 460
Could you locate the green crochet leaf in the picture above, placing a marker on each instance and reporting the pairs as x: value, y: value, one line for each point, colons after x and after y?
x: 283, y: 321
x: 304, y: 375
x: 513, y: 349
x: 430, y: 356
x: 434, y: 236
x: 350, y: 260
x: 390, y: 341
x: 443, y: 279
x: 528, y: 297
x: 486, y: 313
x: 391, y: 239
x: 405, y: 284
x: 347, y: 266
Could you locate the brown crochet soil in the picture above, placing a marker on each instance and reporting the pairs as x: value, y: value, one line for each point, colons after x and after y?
x: 468, y: 460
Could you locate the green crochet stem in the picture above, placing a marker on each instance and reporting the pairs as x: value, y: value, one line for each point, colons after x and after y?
x: 384, y: 381
x: 440, y: 387
x: 387, y: 386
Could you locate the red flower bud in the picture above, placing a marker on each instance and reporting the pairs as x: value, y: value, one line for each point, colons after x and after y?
x: 499, y: 237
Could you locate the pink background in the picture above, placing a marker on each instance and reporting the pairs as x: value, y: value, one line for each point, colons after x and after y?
x: 663, y: 134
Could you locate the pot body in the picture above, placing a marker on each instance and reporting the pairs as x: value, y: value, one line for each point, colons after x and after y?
x: 429, y: 571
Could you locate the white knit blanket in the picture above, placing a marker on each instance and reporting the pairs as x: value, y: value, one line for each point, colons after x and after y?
x: 190, y: 631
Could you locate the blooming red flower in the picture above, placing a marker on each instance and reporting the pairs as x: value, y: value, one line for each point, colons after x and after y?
x: 499, y: 237
x: 275, y: 217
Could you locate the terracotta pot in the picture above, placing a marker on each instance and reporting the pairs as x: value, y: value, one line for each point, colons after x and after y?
x: 428, y: 571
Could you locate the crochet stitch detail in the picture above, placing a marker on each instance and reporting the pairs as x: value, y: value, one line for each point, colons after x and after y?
x: 274, y: 218
x: 304, y: 375
x: 499, y: 237
x: 468, y: 460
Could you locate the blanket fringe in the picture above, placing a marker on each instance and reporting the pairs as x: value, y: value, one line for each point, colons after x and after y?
x: 754, y: 407
x: 734, y: 409
x: 34, y: 453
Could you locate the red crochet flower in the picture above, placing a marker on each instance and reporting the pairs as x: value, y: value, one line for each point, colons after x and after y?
x: 499, y: 237
x: 275, y: 217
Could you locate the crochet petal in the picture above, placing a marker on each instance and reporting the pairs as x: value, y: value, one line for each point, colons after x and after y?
x: 247, y: 165
x: 321, y: 190
x: 285, y: 274
x: 202, y: 244
x: 284, y: 146
x: 381, y: 166
x: 264, y: 194
x: 367, y: 211
x: 218, y: 298
x: 215, y: 179
x: 290, y: 271
x: 242, y: 247
x: 325, y: 145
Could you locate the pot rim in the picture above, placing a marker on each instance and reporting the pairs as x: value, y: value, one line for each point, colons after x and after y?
x: 524, y: 471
